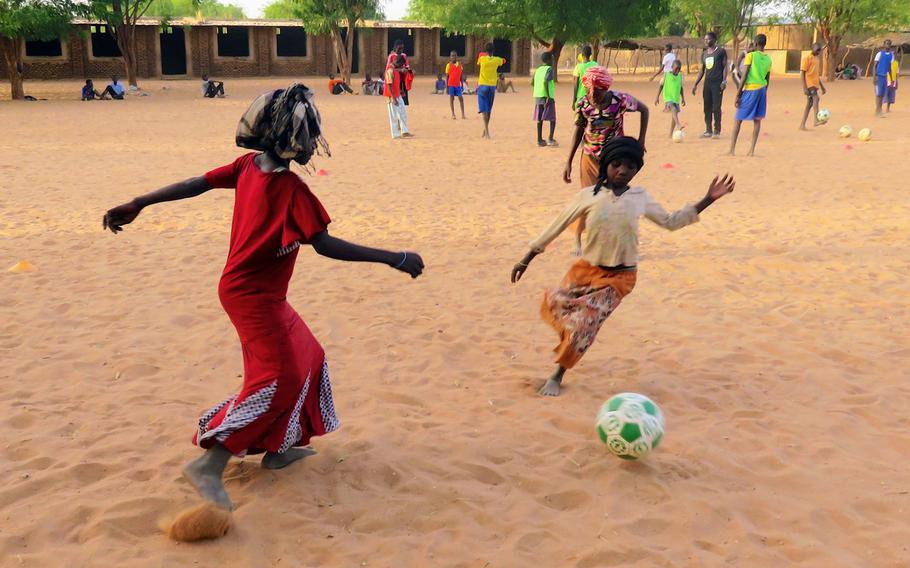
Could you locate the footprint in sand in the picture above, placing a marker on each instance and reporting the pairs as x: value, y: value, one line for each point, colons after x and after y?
x: 566, y: 500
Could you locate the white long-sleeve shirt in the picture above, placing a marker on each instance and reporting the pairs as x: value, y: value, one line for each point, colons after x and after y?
x: 611, y: 223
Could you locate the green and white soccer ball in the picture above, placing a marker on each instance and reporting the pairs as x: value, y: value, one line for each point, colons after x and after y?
x: 823, y: 115
x: 631, y: 425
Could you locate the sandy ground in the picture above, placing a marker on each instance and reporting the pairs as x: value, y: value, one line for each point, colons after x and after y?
x: 773, y: 334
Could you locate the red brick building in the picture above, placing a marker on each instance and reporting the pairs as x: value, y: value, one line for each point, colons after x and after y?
x: 236, y: 48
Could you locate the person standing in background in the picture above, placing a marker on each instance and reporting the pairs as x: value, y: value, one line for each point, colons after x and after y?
x: 714, y: 71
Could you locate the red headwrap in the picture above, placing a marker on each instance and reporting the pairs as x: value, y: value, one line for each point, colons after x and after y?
x: 597, y: 77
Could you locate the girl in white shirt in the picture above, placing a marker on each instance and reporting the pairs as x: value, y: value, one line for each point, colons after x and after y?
x: 606, y: 273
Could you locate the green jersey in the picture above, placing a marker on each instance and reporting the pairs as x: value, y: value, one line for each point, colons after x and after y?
x: 672, y: 87
x: 580, y: 71
x: 759, y: 64
x: 544, y: 86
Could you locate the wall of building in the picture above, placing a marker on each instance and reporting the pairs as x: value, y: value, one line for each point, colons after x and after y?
x: 77, y: 60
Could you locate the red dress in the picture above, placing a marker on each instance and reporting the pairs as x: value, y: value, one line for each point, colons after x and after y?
x: 286, y: 397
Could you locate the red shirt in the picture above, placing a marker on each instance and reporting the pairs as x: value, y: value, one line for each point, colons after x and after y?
x: 454, y: 71
x: 274, y: 213
x: 392, y: 83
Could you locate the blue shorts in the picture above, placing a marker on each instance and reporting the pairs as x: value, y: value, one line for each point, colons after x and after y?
x: 671, y: 105
x: 753, y: 104
x: 881, y: 85
x: 485, y: 96
x: 456, y: 91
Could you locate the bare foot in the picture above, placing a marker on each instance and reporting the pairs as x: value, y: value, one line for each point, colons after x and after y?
x: 803, y: 128
x: 407, y: 135
x: 279, y: 461
x: 207, y: 483
x: 550, y: 388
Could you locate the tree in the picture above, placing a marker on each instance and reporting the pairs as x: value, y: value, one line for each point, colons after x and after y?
x: 25, y: 20
x: 338, y: 18
x: 834, y: 19
x: 730, y: 19
x: 279, y: 10
x: 200, y: 9
x: 550, y: 24
x: 122, y: 17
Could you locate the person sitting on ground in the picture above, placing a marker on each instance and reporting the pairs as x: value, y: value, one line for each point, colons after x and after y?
x: 502, y: 85
x: 115, y: 90
x: 212, y: 89
x: 440, y: 87
x: 338, y: 86
x: 371, y: 86
x: 88, y: 91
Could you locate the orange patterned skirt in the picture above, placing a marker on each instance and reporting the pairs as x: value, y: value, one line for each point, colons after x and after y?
x: 577, y: 309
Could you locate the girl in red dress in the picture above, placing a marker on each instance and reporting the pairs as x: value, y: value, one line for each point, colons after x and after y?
x: 286, y: 396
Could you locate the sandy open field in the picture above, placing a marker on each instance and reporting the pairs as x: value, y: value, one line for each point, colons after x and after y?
x: 773, y: 334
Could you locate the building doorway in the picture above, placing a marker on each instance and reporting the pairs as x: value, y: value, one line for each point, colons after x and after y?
x: 173, y: 51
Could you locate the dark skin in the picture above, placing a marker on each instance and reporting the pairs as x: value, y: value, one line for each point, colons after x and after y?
x: 620, y: 173
x: 711, y: 48
x: 812, y: 103
x: 602, y: 98
x: 205, y: 473
x: 757, y: 123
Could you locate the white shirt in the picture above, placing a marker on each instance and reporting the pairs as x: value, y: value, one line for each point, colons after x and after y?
x: 668, y: 62
x: 611, y: 223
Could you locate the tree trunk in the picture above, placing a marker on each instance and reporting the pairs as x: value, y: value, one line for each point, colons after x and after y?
x: 341, y: 62
x: 595, y: 49
x: 12, y: 54
x: 126, y: 41
x: 555, y: 49
x: 349, y: 48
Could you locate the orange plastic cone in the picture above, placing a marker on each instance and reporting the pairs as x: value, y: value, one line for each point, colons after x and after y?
x: 23, y: 266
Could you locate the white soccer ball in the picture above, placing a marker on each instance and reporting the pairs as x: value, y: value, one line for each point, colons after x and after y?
x: 631, y: 425
x: 865, y: 135
x: 678, y: 136
x: 845, y: 132
x: 823, y: 115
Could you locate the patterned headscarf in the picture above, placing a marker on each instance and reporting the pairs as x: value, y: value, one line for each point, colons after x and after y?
x: 284, y: 122
x: 597, y: 77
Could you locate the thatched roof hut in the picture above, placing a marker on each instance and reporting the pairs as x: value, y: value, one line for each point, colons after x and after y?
x: 646, y: 51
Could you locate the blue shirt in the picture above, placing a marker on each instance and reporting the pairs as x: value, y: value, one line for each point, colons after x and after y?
x: 118, y: 88
x: 883, y: 65
x: 441, y: 84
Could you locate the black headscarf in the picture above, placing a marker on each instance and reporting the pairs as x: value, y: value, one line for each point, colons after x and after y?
x: 618, y: 148
x: 285, y: 122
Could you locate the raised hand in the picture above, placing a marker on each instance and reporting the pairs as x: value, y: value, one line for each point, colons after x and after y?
x: 411, y: 263
x: 121, y: 215
x: 720, y: 187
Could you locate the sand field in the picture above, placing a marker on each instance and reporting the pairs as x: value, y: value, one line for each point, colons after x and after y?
x: 773, y: 334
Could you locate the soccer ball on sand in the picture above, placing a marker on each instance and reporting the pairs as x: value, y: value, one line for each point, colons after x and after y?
x: 845, y: 132
x: 631, y: 425
x: 823, y: 115
x: 865, y: 135
x: 678, y: 136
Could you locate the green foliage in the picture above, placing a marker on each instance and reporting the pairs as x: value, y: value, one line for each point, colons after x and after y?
x: 321, y: 16
x: 194, y: 9
x: 544, y: 21
x: 279, y: 10
x: 729, y: 17
x: 843, y: 17
x: 36, y: 19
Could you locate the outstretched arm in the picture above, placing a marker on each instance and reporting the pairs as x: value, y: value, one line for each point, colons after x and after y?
x: 125, y: 214
x: 330, y: 247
